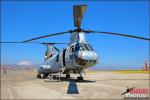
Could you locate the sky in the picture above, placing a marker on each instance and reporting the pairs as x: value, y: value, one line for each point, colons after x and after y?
x: 28, y: 19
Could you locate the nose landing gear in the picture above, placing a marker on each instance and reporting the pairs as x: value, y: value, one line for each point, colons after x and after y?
x: 67, y: 75
x: 80, y: 78
x: 42, y: 76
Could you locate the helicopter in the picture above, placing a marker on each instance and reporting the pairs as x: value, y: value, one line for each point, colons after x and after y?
x: 78, y: 55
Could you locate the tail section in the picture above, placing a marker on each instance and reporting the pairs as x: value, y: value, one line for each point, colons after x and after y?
x: 50, y: 51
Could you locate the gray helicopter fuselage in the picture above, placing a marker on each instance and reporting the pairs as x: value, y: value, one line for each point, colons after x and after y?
x: 78, y: 55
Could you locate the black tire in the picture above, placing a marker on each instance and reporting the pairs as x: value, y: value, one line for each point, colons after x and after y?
x: 42, y: 76
x: 38, y: 76
x: 67, y: 76
x: 46, y: 75
x: 81, y: 78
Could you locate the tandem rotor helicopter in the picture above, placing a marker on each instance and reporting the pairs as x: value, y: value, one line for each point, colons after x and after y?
x: 78, y: 55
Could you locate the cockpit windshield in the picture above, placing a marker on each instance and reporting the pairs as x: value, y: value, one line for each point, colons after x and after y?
x: 86, y: 47
x: 90, y: 47
x: 83, y: 47
x: 79, y: 47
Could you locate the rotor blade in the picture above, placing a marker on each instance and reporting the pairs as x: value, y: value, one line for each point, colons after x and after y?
x: 35, y: 42
x: 118, y: 34
x: 56, y: 48
x: 19, y: 42
x: 78, y: 12
x: 52, y: 43
x: 45, y: 36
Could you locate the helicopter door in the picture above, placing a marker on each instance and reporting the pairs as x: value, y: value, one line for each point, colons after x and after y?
x: 64, y: 52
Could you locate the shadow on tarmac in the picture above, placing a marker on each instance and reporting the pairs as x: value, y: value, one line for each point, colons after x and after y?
x: 72, y: 87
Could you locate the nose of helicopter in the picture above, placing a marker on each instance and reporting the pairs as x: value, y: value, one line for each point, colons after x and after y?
x: 87, y: 58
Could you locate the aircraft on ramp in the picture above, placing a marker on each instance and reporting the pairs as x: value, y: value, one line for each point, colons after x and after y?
x: 78, y: 55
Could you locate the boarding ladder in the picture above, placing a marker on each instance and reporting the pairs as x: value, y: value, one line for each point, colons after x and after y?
x: 50, y: 77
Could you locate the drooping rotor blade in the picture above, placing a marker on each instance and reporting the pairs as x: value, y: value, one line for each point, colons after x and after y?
x: 45, y: 36
x: 18, y: 42
x: 118, y: 34
x: 78, y: 12
x: 52, y: 43
x: 34, y: 42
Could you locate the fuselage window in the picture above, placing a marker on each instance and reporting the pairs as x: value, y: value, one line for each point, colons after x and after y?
x: 57, y: 57
x: 77, y: 47
x: 71, y: 49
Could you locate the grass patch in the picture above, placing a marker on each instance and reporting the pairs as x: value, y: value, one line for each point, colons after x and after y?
x: 132, y: 71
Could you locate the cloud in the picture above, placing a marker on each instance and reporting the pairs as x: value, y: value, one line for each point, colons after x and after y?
x: 24, y: 63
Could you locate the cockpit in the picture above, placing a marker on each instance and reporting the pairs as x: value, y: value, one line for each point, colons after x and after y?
x: 84, y: 54
x: 83, y: 47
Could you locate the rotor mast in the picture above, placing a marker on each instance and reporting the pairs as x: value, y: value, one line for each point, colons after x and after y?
x: 78, y: 35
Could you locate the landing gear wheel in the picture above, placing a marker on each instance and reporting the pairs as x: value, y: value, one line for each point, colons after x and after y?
x: 79, y: 78
x: 67, y: 76
x: 42, y: 76
x: 38, y: 76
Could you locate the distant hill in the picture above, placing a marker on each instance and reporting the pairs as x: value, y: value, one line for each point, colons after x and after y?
x: 15, y: 66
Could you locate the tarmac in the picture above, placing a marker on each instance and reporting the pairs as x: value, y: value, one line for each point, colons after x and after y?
x: 23, y: 84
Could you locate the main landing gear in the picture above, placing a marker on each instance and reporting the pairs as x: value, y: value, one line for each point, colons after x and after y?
x: 42, y: 76
x: 80, y: 78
